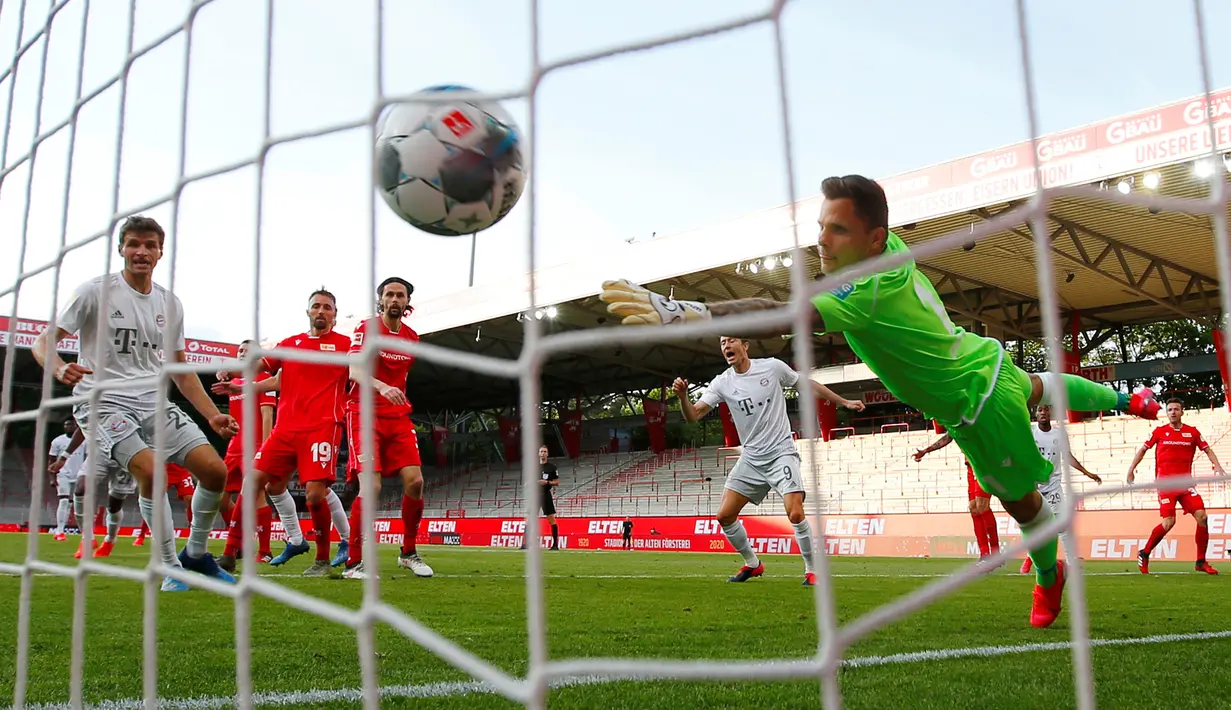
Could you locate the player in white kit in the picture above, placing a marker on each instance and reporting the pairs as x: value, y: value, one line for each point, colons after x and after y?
x: 1048, y: 440
x: 142, y: 325
x: 768, y: 459
x: 58, y: 453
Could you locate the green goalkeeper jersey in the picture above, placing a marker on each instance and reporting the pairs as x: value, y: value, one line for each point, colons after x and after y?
x: 895, y: 322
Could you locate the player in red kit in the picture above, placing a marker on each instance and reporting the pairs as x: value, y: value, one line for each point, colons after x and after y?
x: 234, y: 459
x: 179, y: 482
x: 1175, y: 444
x: 980, y: 507
x: 396, y: 445
x: 305, y: 436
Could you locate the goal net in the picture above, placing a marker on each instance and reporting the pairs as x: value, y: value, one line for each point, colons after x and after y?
x: 41, y: 153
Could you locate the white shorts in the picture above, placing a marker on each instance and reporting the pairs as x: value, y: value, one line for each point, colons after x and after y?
x: 65, y: 482
x: 120, y: 483
x: 754, y: 480
x: 1053, y: 496
x: 123, y: 432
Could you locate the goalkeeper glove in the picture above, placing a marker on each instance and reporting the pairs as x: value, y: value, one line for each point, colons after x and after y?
x: 640, y: 306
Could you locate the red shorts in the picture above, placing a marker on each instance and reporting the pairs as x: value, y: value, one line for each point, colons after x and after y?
x: 235, y: 472
x: 973, y: 489
x: 179, y: 481
x: 312, y: 453
x: 397, y: 445
x: 1189, y: 500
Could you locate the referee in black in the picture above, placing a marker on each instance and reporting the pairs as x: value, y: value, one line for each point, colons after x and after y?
x: 549, y: 478
x: 627, y: 528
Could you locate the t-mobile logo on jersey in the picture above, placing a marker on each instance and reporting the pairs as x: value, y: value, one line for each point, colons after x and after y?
x: 745, y: 406
x: 126, y: 339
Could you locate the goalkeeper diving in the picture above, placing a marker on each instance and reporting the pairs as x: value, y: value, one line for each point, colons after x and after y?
x: 897, y: 325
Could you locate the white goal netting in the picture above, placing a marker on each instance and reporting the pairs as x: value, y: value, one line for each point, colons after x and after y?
x: 30, y: 128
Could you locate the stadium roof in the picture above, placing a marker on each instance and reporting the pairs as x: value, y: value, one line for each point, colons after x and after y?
x: 1115, y: 263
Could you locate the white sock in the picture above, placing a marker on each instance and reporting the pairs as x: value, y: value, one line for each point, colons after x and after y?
x: 204, y: 509
x: 79, y: 509
x: 1067, y: 548
x: 285, y: 505
x: 113, y: 525
x: 62, y: 515
x: 739, y: 540
x: 340, y: 522
x: 164, y: 538
x: 803, y: 537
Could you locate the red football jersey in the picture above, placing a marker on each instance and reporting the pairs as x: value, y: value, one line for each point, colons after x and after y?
x: 392, y: 368
x: 265, y: 399
x: 176, y: 474
x: 1176, y: 448
x: 311, y: 394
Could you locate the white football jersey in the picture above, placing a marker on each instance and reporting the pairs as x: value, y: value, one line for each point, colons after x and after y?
x: 758, y: 406
x: 72, y: 465
x: 138, y: 332
x: 1049, y: 446
x: 58, y: 446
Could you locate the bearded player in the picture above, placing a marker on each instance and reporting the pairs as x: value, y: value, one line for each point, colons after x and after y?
x: 1177, y: 445
x: 234, y: 459
x: 395, y: 443
x: 753, y: 390
x: 142, y: 327
x: 305, y: 435
x: 986, y: 533
x: 897, y: 325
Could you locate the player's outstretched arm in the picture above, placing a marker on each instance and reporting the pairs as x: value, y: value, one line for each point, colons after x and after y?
x: 937, y: 445
x: 388, y: 391
x: 639, y: 306
x: 190, y: 386
x: 228, y: 387
x: 1209, y: 451
x: 1077, y: 465
x: 829, y: 395
x: 692, y: 412
x: 1132, y: 467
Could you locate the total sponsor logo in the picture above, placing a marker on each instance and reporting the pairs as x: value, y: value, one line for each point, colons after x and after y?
x: 203, y: 347
x: 982, y: 166
x: 1196, y: 112
x: 1052, y: 148
x: 1133, y: 128
x: 442, y: 526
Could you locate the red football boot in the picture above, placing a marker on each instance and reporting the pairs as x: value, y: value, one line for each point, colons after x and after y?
x: 1206, y: 567
x: 1027, y: 565
x: 809, y: 579
x: 81, y: 548
x: 1143, y: 562
x: 1047, y: 600
x: 104, y: 550
x: 746, y: 573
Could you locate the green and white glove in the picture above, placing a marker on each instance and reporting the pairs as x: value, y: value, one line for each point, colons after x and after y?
x: 640, y: 306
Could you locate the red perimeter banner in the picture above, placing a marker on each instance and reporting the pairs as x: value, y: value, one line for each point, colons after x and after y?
x: 196, y: 351
x: 1101, y: 535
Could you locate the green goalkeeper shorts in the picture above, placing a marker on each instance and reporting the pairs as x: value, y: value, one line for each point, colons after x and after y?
x: 999, y: 444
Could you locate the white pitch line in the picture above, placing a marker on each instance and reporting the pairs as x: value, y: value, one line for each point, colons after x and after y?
x: 853, y: 575
x: 462, y: 688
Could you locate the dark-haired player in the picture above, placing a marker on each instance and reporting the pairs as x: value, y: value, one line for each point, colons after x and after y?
x: 142, y: 326
x: 1175, y: 445
x: 305, y: 436
x: 897, y: 325
x: 396, y: 445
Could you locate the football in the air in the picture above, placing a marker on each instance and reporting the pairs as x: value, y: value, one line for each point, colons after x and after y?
x: 451, y: 167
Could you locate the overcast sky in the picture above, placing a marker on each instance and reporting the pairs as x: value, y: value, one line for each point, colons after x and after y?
x: 660, y: 141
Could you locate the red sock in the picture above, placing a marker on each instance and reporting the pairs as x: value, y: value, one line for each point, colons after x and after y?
x: 1155, y: 538
x: 235, y: 528
x: 1203, y: 541
x: 264, y: 524
x: 322, y: 524
x: 993, y: 534
x: 226, y: 516
x: 356, y: 532
x: 412, y: 513
x: 145, y: 530
x: 980, y: 534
